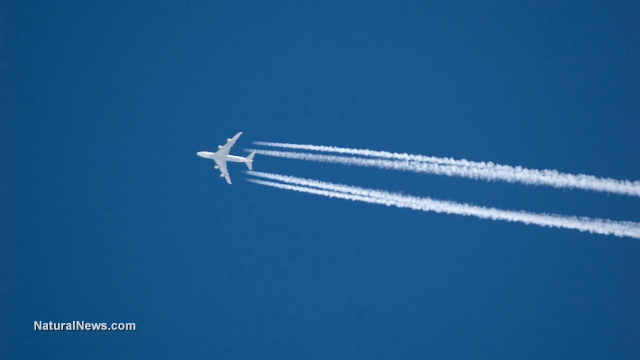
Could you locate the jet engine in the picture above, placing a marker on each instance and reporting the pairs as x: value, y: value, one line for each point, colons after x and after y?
x: 228, y: 140
x: 219, y: 146
x: 221, y: 175
x: 216, y: 167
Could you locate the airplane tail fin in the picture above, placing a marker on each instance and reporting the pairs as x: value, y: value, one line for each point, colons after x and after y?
x: 250, y: 158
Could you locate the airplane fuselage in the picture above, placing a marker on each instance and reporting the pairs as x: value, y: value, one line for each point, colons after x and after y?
x: 232, y: 158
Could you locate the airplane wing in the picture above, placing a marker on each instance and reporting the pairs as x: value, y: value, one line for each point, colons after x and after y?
x: 222, y: 165
x: 225, y: 149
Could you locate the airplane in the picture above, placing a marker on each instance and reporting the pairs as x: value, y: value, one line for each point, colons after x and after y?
x: 222, y: 156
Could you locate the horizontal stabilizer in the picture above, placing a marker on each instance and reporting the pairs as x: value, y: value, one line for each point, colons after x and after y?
x: 250, y: 162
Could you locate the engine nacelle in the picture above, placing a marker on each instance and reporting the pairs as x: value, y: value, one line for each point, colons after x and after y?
x: 216, y: 167
x: 221, y: 175
x: 228, y: 140
x: 219, y: 146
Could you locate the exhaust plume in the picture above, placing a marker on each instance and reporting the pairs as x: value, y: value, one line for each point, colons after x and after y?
x: 462, y: 168
x: 584, y: 224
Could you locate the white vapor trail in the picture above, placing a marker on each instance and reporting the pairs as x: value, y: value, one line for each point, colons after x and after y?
x: 379, y: 154
x: 458, y: 168
x: 592, y: 225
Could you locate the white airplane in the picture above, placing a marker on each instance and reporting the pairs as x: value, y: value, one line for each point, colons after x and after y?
x: 222, y: 156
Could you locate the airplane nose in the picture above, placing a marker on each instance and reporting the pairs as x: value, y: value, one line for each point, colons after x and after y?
x: 201, y: 153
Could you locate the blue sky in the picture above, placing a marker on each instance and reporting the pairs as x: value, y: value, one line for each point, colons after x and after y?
x: 109, y: 216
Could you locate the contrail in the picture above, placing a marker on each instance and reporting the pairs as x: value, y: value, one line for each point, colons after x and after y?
x: 457, y: 168
x: 380, y: 154
x: 592, y: 225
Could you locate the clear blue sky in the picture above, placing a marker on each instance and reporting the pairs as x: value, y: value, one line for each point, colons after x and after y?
x: 109, y: 216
